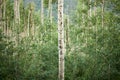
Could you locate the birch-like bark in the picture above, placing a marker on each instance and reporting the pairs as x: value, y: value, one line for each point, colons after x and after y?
x: 4, y: 15
x: 1, y: 1
x: 31, y: 21
x: 61, y: 39
x: 95, y: 25
x: 16, y: 11
x: 95, y: 7
x: 50, y: 10
x: 83, y: 21
x: 102, y: 13
x: 42, y: 12
x: 17, y: 18
x: 28, y: 28
x: 89, y: 17
x: 90, y: 5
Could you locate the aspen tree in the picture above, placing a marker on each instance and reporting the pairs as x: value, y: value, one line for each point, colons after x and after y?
x: 50, y: 10
x: 61, y: 39
x: 42, y: 12
x: 31, y: 19
x: 90, y: 5
x: 95, y: 26
x: 102, y: 13
x: 94, y: 7
x: 0, y: 13
x: 89, y: 18
x: 28, y: 23
x: 16, y: 11
x: 17, y: 17
x: 83, y: 20
x: 7, y: 24
x: 50, y: 15
x: 90, y: 13
x: 4, y: 15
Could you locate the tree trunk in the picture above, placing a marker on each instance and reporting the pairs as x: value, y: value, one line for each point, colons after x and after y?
x: 42, y: 12
x: 4, y: 15
x: 17, y: 18
x: 16, y: 11
x: 1, y: 1
x: 94, y: 7
x: 50, y: 10
x: 90, y: 5
x: 28, y: 23
x: 102, y: 13
x: 61, y: 39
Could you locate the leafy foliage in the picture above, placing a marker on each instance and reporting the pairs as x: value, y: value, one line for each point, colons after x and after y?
x: 92, y: 51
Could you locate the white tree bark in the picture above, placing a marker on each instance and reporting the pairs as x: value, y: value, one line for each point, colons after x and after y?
x: 17, y: 18
x: 61, y: 39
x: 50, y: 10
x: 28, y: 28
x: 102, y: 13
x: 4, y: 15
x: 1, y: 2
x: 90, y: 4
x: 16, y: 11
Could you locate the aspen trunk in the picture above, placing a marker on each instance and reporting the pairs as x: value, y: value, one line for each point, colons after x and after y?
x: 90, y: 5
x: 61, y: 39
x: 89, y: 17
x: 1, y: 1
x: 83, y: 21
x: 95, y: 26
x: 1, y: 13
x: 4, y: 15
x: 95, y: 8
x: 90, y: 13
x: 42, y: 12
x: 28, y: 29
x: 51, y: 14
x: 50, y: 10
x: 16, y: 11
x: 17, y: 18
x: 31, y: 22
x: 102, y: 13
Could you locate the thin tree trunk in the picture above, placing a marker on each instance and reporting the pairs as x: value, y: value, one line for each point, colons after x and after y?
x: 83, y: 21
x: 61, y: 39
x: 42, y: 12
x: 94, y: 7
x: 28, y: 29
x: 1, y: 1
x: 4, y: 15
x: 90, y: 14
x: 17, y: 18
x: 89, y: 17
x: 102, y: 13
x: 31, y: 21
x: 95, y: 26
x: 16, y: 11
x: 50, y: 10
x: 90, y: 5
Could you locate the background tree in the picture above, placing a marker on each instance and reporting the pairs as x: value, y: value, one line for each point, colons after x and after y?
x: 61, y: 39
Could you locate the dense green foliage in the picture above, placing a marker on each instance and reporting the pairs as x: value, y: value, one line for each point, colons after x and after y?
x: 92, y: 53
